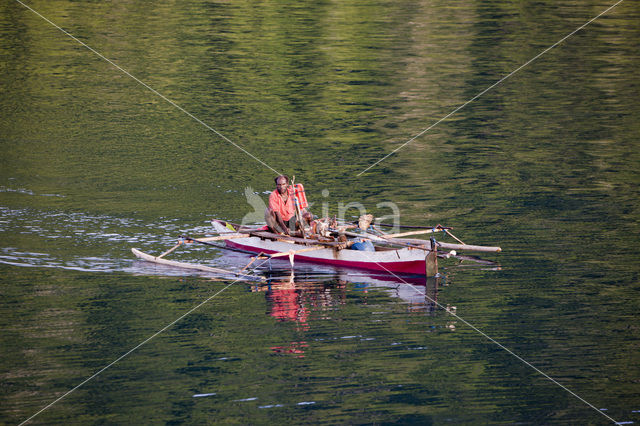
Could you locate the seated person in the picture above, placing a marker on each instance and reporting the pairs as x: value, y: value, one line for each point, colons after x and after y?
x: 280, y: 215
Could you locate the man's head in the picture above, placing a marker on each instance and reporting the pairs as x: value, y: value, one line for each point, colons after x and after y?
x: 282, y: 182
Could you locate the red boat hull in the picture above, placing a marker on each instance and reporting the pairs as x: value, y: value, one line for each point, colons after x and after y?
x: 371, y: 261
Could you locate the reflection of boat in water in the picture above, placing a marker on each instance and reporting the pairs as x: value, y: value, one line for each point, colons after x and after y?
x: 420, y: 294
x: 310, y: 296
x: 293, y: 298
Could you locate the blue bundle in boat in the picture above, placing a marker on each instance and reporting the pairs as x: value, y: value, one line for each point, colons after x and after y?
x: 364, y: 245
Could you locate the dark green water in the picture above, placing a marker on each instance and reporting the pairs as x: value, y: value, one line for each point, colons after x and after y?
x: 544, y: 164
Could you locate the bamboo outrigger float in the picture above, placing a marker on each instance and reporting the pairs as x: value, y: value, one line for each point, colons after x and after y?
x: 194, y: 266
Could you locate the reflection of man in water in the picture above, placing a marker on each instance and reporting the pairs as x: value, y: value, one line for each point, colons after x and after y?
x: 281, y: 213
x: 291, y: 302
x: 287, y: 304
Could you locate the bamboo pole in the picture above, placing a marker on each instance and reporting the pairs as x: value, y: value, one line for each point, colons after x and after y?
x: 449, y: 246
x: 422, y: 244
x: 455, y: 238
x: 287, y: 253
x: 405, y: 234
x: 223, y: 247
x: 170, y: 250
x: 253, y: 259
x: 389, y: 225
x: 224, y: 237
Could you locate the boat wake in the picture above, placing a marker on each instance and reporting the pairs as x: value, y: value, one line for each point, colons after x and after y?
x: 101, y: 243
x: 84, y: 242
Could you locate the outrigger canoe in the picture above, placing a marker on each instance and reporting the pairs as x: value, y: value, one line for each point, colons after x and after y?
x: 386, y: 253
x: 408, y: 260
x: 390, y: 255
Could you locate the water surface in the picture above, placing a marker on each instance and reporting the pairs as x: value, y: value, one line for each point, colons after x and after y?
x: 545, y: 165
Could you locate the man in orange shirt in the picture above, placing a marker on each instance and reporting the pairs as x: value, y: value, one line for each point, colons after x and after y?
x: 281, y: 213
